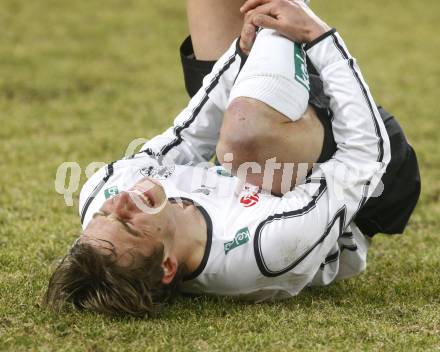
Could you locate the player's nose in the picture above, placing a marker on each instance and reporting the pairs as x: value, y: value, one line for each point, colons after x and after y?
x: 123, y: 206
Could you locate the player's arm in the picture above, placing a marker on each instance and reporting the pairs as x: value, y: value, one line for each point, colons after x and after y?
x: 310, y: 218
x: 195, y: 131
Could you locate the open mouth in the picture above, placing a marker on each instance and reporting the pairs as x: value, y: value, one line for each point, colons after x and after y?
x: 147, y: 198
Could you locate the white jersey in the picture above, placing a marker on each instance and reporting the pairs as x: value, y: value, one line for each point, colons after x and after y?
x: 260, y: 246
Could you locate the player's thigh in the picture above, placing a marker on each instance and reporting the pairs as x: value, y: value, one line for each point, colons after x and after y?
x: 213, y: 25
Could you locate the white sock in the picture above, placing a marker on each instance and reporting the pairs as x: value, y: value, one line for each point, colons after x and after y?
x: 276, y: 74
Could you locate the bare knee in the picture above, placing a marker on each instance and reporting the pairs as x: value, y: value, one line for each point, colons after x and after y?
x: 253, y: 132
x: 244, y: 131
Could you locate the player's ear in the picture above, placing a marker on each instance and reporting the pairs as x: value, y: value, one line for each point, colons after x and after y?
x: 169, y: 266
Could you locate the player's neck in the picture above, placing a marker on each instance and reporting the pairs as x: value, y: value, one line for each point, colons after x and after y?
x: 191, y: 236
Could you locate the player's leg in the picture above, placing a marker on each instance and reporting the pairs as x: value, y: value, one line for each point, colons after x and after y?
x: 269, y: 116
x: 213, y: 25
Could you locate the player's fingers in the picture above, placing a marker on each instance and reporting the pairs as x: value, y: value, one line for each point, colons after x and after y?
x: 252, y: 4
x: 248, y: 33
x: 269, y: 9
x: 247, y: 37
x: 265, y: 21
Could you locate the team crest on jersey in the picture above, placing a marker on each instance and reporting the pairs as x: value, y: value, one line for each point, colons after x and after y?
x: 250, y: 199
x: 111, y: 192
x: 157, y: 172
x: 241, y: 237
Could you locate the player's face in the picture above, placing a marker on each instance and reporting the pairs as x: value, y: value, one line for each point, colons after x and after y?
x: 137, y: 219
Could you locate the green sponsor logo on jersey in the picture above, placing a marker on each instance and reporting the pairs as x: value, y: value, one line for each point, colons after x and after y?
x: 301, y: 73
x: 241, y: 237
x: 111, y: 192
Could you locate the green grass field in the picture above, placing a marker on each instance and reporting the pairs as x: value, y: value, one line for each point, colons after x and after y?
x: 80, y: 79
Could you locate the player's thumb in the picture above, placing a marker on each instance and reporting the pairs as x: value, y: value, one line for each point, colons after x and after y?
x: 265, y: 21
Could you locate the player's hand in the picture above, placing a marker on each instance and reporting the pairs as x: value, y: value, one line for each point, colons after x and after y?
x: 291, y: 18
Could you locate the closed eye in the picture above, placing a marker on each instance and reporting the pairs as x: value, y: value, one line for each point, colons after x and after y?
x: 128, y: 227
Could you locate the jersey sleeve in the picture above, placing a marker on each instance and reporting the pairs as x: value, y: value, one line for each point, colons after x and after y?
x: 195, y: 132
x: 307, y: 222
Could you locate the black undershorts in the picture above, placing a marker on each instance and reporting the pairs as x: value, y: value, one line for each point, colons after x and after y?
x: 388, y: 213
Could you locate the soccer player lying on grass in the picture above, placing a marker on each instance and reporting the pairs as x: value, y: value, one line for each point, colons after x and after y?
x: 152, y: 226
